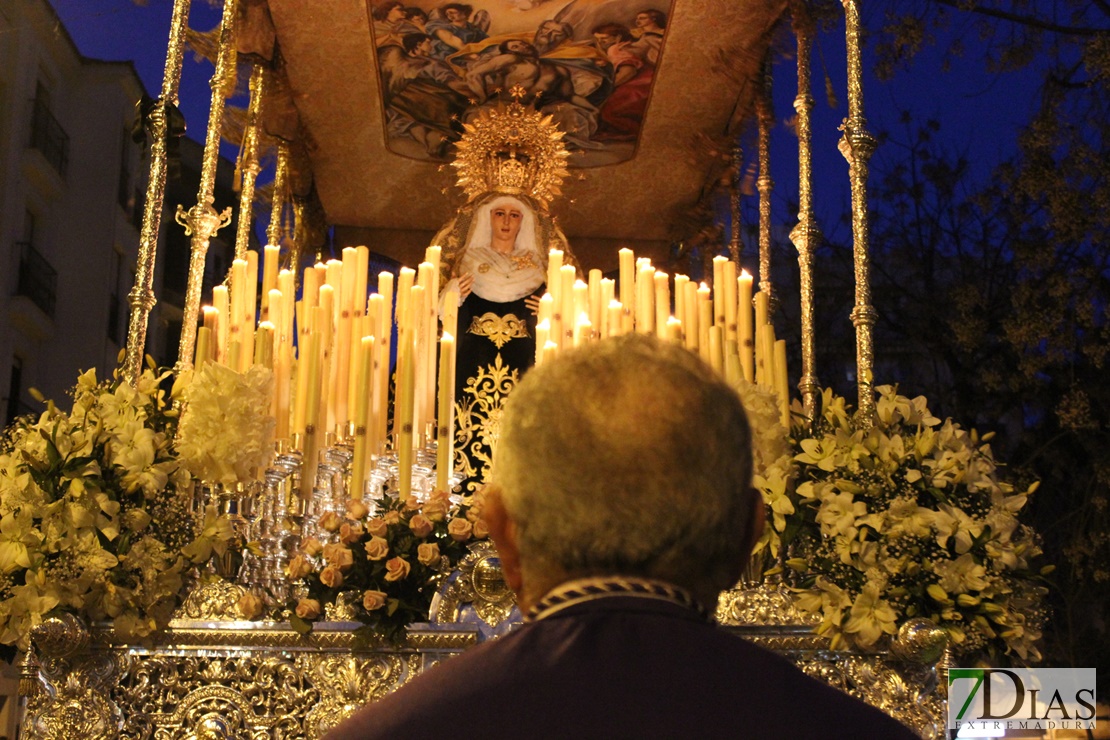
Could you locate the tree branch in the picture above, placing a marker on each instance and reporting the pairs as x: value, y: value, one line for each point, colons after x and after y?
x: 1025, y: 20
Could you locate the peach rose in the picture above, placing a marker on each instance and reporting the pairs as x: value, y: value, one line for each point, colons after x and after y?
x: 308, y: 608
x: 428, y: 553
x: 330, y: 521
x: 331, y: 577
x: 377, y: 527
x: 396, y: 569
x: 377, y: 548
x: 349, y: 532
x: 459, y: 529
x: 311, y: 546
x: 481, y: 530
x: 392, y: 517
x: 299, y: 567
x: 250, y: 606
x: 412, y: 503
x: 339, y: 555
x: 436, y: 510
x: 356, y: 509
x: 420, y: 525
x: 372, y: 600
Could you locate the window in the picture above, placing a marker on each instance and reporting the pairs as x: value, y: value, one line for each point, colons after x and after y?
x: 38, y: 279
x: 47, y: 135
x: 16, y: 407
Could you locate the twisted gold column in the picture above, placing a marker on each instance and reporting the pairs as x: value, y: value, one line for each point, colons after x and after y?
x: 734, y: 243
x: 857, y: 145
x: 202, y: 221
x: 806, y: 234
x: 277, y: 202
x: 765, y: 185
x: 249, y: 161
x: 141, y: 298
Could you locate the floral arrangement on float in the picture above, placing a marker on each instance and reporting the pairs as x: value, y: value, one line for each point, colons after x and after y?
x: 381, y: 564
x: 900, y: 516
x: 95, y: 512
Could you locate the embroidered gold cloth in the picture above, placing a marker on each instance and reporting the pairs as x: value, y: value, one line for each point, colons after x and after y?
x: 478, y: 415
x: 499, y: 329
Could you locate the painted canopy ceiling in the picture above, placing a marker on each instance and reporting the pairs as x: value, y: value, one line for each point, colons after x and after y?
x: 637, y: 96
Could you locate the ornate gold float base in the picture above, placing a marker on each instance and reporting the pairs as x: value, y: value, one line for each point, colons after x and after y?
x: 211, y: 681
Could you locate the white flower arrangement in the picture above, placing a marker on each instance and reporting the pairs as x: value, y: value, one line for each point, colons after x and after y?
x: 227, y: 431
x: 94, y: 511
x: 903, y: 517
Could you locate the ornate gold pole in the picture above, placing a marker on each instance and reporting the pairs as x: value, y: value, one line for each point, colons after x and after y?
x: 277, y: 207
x: 857, y: 145
x: 765, y: 185
x: 734, y: 243
x: 249, y: 161
x: 202, y: 221
x: 806, y: 234
x: 141, y: 298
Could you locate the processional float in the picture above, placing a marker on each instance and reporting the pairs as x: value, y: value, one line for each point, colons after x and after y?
x: 338, y: 552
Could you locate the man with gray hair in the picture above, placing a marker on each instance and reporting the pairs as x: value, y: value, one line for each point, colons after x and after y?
x: 621, y: 506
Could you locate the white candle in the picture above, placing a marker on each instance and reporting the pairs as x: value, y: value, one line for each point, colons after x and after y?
x: 223, y: 318
x: 271, y: 254
x: 627, y: 261
x: 744, y: 333
x: 782, y: 385
x: 444, y: 421
x: 662, y: 304
x: 719, y: 290
x: 705, y: 321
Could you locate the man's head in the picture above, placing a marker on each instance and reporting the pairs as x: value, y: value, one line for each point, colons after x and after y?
x: 651, y: 20
x: 417, y: 44
x: 457, y: 13
x: 518, y: 47
x: 627, y: 457
x: 608, y: 34
x: 550, y: 34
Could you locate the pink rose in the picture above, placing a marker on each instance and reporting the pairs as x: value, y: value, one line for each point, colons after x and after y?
x: 331, y: 577
x: 481, y: 530
x: 377, y: 527
x: 250, y: 606
x: 459, y: 529
x: 420, y: 525
x: 308, y: 608
x: 396, y: 569
x: 428, y: 553
x: 372, y: 600
x: 412, y: 503
x: 339, y: 556
x: 330, y: 521
x: 377, y: 548
x: 436, y: 510
x: 356, y: 509
x: 311, y: 546
x: 299, y: 567
x: 349, y: 532
x: 392, y: 517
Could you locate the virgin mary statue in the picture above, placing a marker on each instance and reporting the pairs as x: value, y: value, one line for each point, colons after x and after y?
x: 511, y: 162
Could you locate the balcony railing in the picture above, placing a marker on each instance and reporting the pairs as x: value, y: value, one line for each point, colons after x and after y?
x: 37, y: 279
x: 48, y: 136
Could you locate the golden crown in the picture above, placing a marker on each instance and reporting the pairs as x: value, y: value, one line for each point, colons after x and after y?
x: 514, y: 149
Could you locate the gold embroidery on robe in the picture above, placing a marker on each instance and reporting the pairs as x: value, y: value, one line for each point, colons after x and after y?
x: 478, y: 419
x: 524, y: 261
x: 499, y: 329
